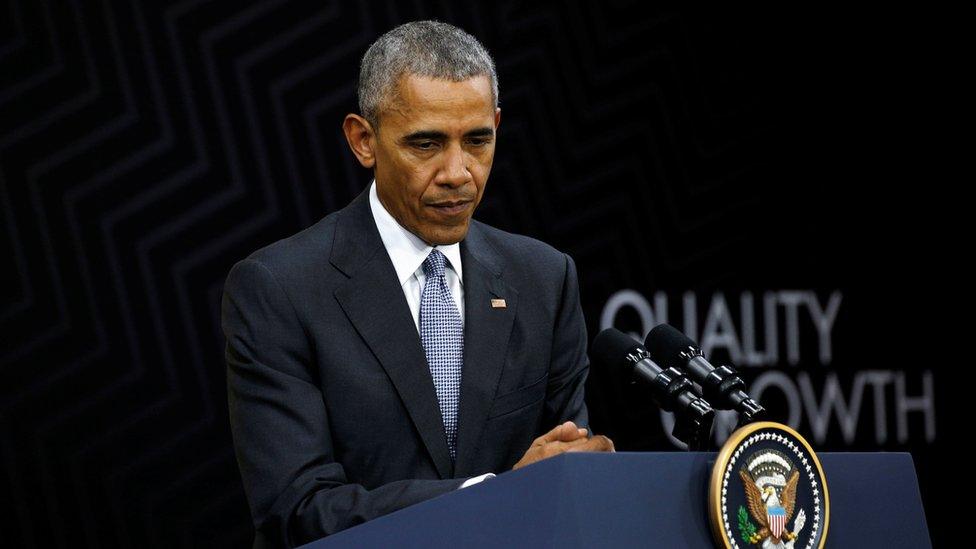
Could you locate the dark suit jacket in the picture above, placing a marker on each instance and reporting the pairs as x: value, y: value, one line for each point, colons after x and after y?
x: 332, y: 405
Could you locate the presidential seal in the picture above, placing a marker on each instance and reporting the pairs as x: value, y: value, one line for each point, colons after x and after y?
x: 768, y: 491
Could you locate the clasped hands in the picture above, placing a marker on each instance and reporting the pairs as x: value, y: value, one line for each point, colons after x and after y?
x: 564, y: 438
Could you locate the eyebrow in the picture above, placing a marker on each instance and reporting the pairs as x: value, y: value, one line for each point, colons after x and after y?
x: 435, y: 135
x: 481, y: 132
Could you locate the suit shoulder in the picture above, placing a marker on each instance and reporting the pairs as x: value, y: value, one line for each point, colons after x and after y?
x: 305, y: 250
x: 523, y: 249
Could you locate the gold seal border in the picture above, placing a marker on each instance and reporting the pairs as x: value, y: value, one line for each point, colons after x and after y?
x: 722, y: 461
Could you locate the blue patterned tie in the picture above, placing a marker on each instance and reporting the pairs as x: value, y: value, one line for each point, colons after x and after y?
x: 442, y: 334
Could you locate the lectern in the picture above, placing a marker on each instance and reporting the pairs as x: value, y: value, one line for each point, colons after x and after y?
x: 637, y: 499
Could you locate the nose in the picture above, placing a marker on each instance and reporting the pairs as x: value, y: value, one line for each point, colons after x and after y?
x: 454, y: 172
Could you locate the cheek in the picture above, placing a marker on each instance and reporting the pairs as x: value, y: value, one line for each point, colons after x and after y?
x: 415, y: 190
x: 483, y: 161
x: 409, y: 176
x: 480, y: 171
x: 410, y: 168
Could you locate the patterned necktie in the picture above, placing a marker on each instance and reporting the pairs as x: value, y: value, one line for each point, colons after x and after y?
x: 443, y: 337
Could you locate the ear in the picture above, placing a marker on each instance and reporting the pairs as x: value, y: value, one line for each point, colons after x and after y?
x: 361, y: 139
x: 498, y: 117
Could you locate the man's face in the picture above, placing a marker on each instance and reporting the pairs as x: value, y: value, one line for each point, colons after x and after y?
x: 433, y: 151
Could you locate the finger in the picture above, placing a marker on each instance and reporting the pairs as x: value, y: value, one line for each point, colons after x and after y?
x: 559, y: 446
x: 566, y: 431
x: 552, y: 435
x: 598, y: 443
x: 570, y: 432
x: 564, y: 446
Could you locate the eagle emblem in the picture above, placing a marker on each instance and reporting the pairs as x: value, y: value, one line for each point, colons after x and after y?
x: 770, y: 481
x: 768, y: 491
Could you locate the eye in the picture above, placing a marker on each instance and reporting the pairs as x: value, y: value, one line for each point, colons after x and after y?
x: 424, y: 145
x: 479, y: 141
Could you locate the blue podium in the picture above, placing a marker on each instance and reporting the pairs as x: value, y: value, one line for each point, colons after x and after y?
x: 636, y: 499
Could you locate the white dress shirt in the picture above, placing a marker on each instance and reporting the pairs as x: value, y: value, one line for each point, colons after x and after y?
x: 407, y: 252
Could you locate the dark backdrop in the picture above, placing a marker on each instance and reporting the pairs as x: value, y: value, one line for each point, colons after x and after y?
x: 707, y: 161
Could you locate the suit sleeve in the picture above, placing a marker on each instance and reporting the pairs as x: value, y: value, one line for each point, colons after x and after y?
x: 296, y: 490
x: 569, y: 364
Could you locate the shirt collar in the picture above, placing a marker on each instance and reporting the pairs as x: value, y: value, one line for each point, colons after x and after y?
x: 407, y: 250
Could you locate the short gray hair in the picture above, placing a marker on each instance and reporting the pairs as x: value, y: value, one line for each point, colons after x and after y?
x: 423, y: 48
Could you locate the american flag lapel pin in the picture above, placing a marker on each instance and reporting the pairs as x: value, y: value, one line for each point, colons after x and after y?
x: 498, y: 304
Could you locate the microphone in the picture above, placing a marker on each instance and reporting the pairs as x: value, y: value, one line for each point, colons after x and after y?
x: 719, y: 385
x: 670, y: 388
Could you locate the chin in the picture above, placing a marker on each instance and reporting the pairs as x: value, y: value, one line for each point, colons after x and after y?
x: 444, y: 235
x: 446, y: 239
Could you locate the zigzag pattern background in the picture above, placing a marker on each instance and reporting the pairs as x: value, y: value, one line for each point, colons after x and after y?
x: 146, y: 146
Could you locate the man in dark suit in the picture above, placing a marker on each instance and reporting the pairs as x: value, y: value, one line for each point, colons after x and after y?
x: 398, y: 349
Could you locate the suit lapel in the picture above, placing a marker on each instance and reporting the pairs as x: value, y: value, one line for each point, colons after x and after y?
x: 486, y: 334
x: 373, y: 301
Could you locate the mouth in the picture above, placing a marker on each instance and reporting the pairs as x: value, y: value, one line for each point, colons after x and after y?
x: 451, y: 208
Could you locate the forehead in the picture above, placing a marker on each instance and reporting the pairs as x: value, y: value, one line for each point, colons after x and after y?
x: 422, y: 101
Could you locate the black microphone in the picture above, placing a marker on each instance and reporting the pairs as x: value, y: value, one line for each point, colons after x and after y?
x: 670, y: 388
x: 721, y: 385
